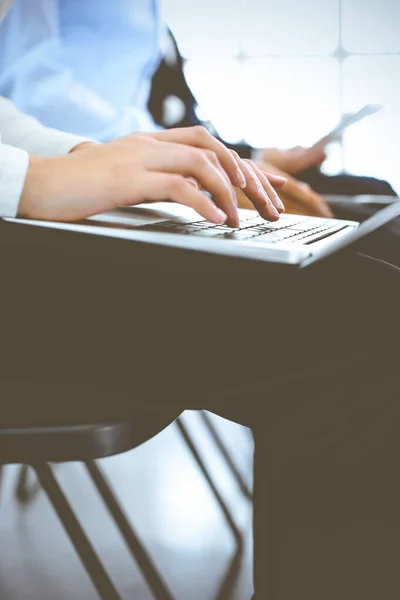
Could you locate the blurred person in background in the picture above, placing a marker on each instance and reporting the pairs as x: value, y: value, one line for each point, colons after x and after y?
x: 303, y: 163
x: 301, y: 167
x: 86, y: 66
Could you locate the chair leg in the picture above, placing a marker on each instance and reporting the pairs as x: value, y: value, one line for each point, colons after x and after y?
x: 225, y: 453
x: 24, y: 491
x: 73, y: 528
x: 148, y: 568
x: 195, y: 453
x: 227, y: 586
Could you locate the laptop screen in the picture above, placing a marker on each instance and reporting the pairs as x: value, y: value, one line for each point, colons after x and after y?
x: 379, y: 219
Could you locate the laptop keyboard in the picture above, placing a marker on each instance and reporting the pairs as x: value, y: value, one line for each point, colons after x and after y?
x: 292, y: 228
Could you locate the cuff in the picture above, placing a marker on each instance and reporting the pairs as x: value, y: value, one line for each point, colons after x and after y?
x: 13, y: 168
x: 56, y: 143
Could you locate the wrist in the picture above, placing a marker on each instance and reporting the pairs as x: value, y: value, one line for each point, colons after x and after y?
x: 60, y: 188
x: 82, y: 146
x: 41, y: 188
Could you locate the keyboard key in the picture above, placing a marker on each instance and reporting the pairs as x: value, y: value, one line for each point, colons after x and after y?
x: 270, y: 238
x: 224, y: 228
x: 239, y: 235
x: 211, y: 232
x: 309, y: 235
x: 311, y: 223
x: 289, y: 229
x: 201, y: 224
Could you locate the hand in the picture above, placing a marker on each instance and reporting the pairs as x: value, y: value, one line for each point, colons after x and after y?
x: 146, y: 167
x: 297, y: 196
x: 297, y: 159
x: 258, y: 186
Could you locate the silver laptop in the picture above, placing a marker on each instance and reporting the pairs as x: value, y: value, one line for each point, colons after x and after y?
x: 363, y: 199
x: 293, y: 239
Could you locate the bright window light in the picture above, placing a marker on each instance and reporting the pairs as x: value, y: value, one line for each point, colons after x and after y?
x: 290, y: 101
x: 371, y: 26
x: 372, y: 146
x: 290, y: 27
x: 273, y: 73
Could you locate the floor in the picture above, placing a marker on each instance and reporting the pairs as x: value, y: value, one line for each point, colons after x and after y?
x: 171, y: 507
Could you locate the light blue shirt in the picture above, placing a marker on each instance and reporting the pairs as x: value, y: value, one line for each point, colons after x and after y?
x: 82, y: 66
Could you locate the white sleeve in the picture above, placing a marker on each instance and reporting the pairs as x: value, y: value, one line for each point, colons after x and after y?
x: 13, y: 167
x: 26, y: 133
x: 21, y: 135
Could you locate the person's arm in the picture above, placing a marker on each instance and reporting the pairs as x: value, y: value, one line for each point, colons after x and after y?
x: 51, y: 59
x: 147, y: 167
x: 21, y: 135
x: 298, y: 159
x: 13, y: 169
x: 98, y: 177
x: 38, y: 71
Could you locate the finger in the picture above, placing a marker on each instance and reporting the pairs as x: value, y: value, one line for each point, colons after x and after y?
x: 300, y: 159
x: 256, y: 193
x: 319, y: 201
x: 292, y: 207
x: 316, y: 154
x: 275, y: 180
x: 310, y: 202
x: 204, y: 167
x: 157, y: 187
x: 191, y: 180
x: 323, y: 142
x: 199, y: 137
x: 314, y: 203
x: 269, y: 189
x: 194, y: 183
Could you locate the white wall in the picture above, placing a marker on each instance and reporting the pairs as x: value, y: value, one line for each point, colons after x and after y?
x: 280, y: 72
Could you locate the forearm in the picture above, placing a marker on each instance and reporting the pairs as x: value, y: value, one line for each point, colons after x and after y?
x: 19, y: 182
x: 22, y: 136
x: 38, y: 73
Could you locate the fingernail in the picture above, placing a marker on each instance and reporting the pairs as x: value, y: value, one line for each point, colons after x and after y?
x: 193, y: 182
x: 270, y: 205
x: 274, y: 211
x: 270, y: 210
x: 219, y: 216
x: 279, y: 204
x: 240, y: 178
